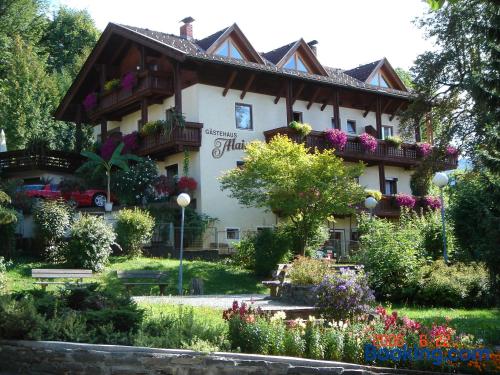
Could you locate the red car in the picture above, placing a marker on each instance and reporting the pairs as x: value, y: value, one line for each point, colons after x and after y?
x: 90, y: 197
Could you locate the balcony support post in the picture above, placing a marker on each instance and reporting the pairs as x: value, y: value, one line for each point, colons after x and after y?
x: 178, y: 87
x: 144, y: 112
x: 336, y: 109
x: 381, y: 177
x: 418, y: 137
x: 104, y: 130
x: 378, y: 117
x: 289, y: 103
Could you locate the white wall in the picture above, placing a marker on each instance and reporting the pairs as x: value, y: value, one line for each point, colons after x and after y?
x: 403, y: 177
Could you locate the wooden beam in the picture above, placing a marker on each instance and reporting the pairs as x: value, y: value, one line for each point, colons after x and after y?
x: 418, y: 137
x: 142, y: 60
x: 395, y: 111
x: 389, y: 102
x: 313, y: 97
x: 104, y: 130
x: 102, y: 75
x: 78, y: 130
x: 336, y: 109
x: 289, y: 105
x: 230, y: 81
x: 247, y: 86
x: 367, y: 109
x: 378, y: 117
x: 282, y: 89
x: 118, y: 51
x: 298, y: 92
x: 381, y: 177
x: 144, y: 112
x: 177, y: 87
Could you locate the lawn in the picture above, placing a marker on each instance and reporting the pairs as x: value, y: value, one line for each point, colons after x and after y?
x: 218, y: 278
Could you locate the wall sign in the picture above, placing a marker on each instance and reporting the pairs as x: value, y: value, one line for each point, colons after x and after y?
x: 225, y: 142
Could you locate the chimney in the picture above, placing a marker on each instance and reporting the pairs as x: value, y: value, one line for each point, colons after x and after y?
x: 312, y: 44
x: 187, y: 29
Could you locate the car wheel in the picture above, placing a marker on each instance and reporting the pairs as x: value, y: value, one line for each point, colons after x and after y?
x: 99, y: 200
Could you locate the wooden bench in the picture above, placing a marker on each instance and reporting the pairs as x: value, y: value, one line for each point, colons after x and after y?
x: 279, y: 276
x: 51, y: 274
x: 153, y: 277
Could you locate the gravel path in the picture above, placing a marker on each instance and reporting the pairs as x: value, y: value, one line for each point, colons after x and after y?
x: 223, y: 301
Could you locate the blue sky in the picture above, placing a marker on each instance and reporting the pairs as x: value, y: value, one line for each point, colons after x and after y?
x: 350, y: 33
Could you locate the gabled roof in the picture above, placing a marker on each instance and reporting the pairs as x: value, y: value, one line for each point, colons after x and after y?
x: 209, y: 40
x: 366, y: 72
x: 277, y: 54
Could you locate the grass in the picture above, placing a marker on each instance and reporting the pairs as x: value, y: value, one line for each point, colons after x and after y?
x: 218, y: 278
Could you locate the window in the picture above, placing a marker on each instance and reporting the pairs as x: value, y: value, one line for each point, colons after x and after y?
x: 232, y: 233
x: 172, y: 170
x: 378, y: 80
x: 387, y: 131
x: 243, y: 114
x: 297, y: 116
x: 296, y: 63
x: 391, y: 186
x: 351, y: 126
x: 228, y: 49
x: 240, y: 164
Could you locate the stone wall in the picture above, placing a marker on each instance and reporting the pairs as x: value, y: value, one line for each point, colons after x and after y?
x: 298, y: 294
x: 43, y: 358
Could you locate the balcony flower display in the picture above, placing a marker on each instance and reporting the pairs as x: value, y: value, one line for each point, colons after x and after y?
x: 451, y: 151
x: 394, y: 141
x: 374, y: 194
x: 90, y: 101
x: 337, y: 138
x: 302, y: 129
x: 431, y: 202
x: 368, y: 142
x: 111, y: 85
x: 164, y: 186
x: 130, y: 141
x: 424, y: 149
x: 405, y: 200
x: 129, y: 80
x: 187, y: 183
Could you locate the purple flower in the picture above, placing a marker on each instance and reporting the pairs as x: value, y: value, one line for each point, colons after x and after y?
x: 424, y: 149
x: 131, y: 142
x: 405, y: 200
x: 368, y: 142
x: 129, y: 80
x: 451, y: 151
x: 90, y: 101
x: 337, y: 138
x: 431, y: 202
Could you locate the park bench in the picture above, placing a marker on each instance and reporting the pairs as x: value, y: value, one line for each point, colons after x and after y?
x: 152, y: 277
x: 279, y: 276
x: 43, y: 275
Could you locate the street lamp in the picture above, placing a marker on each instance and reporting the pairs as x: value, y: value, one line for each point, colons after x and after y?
x: 183, y: 200
x: 441, y: 180
x: 370, y: 203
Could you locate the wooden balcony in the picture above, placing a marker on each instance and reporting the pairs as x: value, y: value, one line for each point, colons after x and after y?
x: 12, y: 162
x: 159, y: 145
x: 155, y: 86
x: 406, y: 156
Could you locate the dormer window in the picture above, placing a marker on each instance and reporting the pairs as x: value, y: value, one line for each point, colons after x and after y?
x: 378, y: 80
x: 228, y: 49
x: 296, y: 63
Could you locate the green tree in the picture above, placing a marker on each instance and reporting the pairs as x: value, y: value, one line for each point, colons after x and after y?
x: 405, y: 76
x: 304, y: 187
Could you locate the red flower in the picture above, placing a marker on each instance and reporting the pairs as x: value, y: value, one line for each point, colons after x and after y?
x: 187, y: 183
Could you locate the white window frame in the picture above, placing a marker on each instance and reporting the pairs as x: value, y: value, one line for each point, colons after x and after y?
x: 347, y: 126
x: 233, y: 228
x: 387, y: 127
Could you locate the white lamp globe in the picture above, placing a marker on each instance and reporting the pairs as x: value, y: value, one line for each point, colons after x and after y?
x: 183, y: 199
x: 440, y: 179
x: 370, y: 203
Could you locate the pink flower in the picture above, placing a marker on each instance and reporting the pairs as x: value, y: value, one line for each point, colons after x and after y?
x: 90, y: 101
x: 451, y: 151
x: 380, y: 310
x: 129, y: 80
x: 412, y: 325
x: 187, y: 183
x: 405, y: 200
x: 368, y: 142
x: 337, y: 138
x: 424, y: 149
x: 431, y: 202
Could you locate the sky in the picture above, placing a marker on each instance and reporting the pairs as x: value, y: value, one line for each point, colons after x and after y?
x: 349, y: 32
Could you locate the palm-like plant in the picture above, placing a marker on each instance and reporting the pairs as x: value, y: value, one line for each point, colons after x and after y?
x: 116, y: 160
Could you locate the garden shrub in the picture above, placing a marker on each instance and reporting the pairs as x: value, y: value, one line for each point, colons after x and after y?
x: 90, y: 243
x: 344, y: 295
x: 134, y: 228
x: 456, y: 285
x: 308, y: 271
x: 2, y: 273
x: 52, y: 220
x: 392, y: 253
x: 245, y: 253
x: 134, y: 186
x: 431, y: 229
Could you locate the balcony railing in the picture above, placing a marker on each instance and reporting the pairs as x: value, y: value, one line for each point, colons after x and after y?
x: 49, y: 160
x: 149, y: 83
x: 180, y: 138
x: 405, y: 156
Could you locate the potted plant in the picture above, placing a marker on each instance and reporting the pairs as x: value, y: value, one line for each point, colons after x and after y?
x: 424, y: 149
x: 111, y: 85
x: 394, y: 141
x: 302, y: 129
x: 337, y: 138
x: 116, y: 160
x: 368, y: 142
x: 128, y: 81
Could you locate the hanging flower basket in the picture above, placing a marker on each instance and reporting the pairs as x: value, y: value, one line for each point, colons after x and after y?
x: 431, y: 202
x: 129, y: 80
x: 424, y: 149
x: 405, y: 200
x: 337, y: 138
x: 90, y: 101
x: 368, y: 142
x: 187, y: 184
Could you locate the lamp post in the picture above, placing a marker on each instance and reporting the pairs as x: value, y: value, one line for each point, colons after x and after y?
x: 370, y: 203
x: 183, y: 200
x: 441, y: 180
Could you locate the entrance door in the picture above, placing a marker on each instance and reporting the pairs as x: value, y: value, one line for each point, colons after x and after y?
x: 339, y: 242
